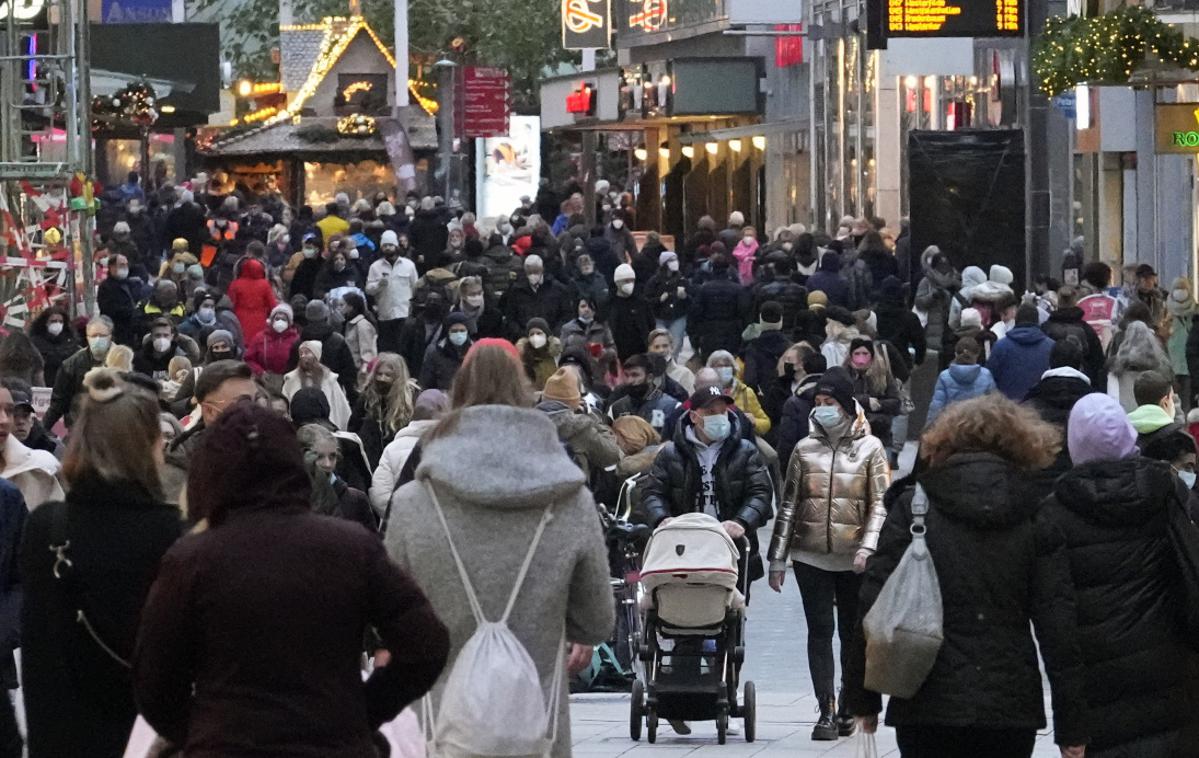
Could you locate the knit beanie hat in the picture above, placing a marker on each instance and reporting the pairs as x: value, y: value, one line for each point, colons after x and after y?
x: 817, y: 299
x: 313, y: 346
x: 309, y: 405
x: 861, y: 342
x: 1001, y: 274
x: 771, y: 313
x: 835, y: 383
x: 283, y: 309
x: 1099, y: 430
x: 624, y: 272
x: 219, y: 335
x: 538, y: 323
x: 971, y: 318
x: 633, y: 434
x: 389, y: 237
x: 665, y: 257
x: 316, y: 312
x: 563, y: 386
x: 178, y: 245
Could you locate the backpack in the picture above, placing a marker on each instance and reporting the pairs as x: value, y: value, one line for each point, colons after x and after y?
x: 904, y: 628
x: 493, y: 704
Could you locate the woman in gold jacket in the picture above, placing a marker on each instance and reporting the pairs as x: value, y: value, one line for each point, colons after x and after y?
x: 828, y: 526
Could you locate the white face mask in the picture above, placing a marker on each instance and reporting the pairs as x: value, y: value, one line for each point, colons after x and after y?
x: 626, y: 288
x: 1188, y: 478
x: 535, y: 279
x: 162, y: 344
x: 617, y: 223
x: 672, y: 265
x: 474, y: 301
x: 537, y: 341
x: 54, y: 328
x: 279, y: 325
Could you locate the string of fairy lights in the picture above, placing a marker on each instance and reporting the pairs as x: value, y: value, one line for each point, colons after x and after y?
x: 1107, y: 49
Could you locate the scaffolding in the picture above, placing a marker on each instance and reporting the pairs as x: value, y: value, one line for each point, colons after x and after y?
x: 46, y: 146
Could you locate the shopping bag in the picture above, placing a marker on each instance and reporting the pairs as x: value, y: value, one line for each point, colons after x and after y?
x: 866, y: 747
x: 404, y: 735
x: 144, y: 742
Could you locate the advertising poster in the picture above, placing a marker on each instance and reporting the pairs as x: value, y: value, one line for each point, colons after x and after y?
x: 508, y: 166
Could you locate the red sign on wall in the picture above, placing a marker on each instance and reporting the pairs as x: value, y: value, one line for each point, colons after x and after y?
x: 581, y: 102
x: 483, y: 102
x: 788, y: 50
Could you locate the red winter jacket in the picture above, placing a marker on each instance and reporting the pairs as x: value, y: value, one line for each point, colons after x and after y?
x: 252, y: 298
x: 269, y: 351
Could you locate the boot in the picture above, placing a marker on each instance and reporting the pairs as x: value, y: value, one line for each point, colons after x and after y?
x: 826, y: 728
x: 845, y: 722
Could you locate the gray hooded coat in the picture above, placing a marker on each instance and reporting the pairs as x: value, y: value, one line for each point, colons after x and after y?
x: 494, y: 476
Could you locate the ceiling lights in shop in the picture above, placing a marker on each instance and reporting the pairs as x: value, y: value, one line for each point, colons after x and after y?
x: 735, y: 145
x: 759, y: 141
x: 688, y: 151
x: 711, y: 147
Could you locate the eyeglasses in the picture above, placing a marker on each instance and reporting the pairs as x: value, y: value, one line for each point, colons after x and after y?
x: 221, y: 404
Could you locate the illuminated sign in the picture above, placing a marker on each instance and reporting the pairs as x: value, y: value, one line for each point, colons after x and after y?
x: 650, y: 16
x: 355, y: 87
x: 954, y: 18
x: 1176, y: 128
x: 581, y: 102
x: 361, y: 93
x: 22, y: 10
x: 585, y: 24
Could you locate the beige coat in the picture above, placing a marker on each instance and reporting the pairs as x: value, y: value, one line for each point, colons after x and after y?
x: 833, y: 498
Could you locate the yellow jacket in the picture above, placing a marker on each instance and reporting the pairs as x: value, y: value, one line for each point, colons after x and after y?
x: 747, y: 402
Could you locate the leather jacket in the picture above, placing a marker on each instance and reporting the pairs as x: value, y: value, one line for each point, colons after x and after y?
x: 833, y: 498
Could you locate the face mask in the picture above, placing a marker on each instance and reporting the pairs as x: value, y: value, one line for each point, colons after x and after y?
x: 178, y: 268
x: 98, y: 346
x: 787, y: 246
x: 121, y: 273
x: 827, y: 415
x: 535, y: 279
x: 1188, y: 478
x: 458, y: 339
x: 207, y: 315
x: 354, y: 254
x: 626, y: 288
x: 789, y: 370
x: 162, y: 344
x: 586, y: 270
x: 279, y: 325
x: 716, y: 428
x: 54, y: 328
x: 586, y: 319
x: 310, y: 252
x: 339, y: 266
x: 221, y: 355
x: 474, y: 301
x: 672, y: 265
x: 749, y: 239
x: 135, y: 209
x: 384, y: 382
x: 861, y: 361
x: 726, y: 375
x: 537, y: 341
x: 617, y: 223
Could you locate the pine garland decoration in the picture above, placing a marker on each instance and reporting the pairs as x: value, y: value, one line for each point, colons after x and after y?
x: 1107, y: 49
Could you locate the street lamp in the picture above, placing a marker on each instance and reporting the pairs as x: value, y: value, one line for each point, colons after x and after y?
x: 445, y: 117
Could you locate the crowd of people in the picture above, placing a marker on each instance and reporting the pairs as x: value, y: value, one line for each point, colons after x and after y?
x: 339, y: 428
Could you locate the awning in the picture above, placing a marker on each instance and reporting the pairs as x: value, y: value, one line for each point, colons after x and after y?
x: 742, y: 132
x: 105, y: 83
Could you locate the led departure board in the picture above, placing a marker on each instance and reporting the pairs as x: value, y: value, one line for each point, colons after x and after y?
x: 955, y: 18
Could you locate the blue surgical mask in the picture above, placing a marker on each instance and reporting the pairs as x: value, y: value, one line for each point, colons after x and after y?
x: 726, y: 375
x: 1188, y: 478
x: 717, y: 427
x: 827, y: 415
x: 458, y: 338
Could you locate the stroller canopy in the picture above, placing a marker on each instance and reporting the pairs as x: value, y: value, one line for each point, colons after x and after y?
x: 691, y: 549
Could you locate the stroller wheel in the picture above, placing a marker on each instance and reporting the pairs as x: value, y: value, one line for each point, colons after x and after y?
x: 636, y: 710
x: 722, y: 727
x: 749, y: 711
x: 651, y: 726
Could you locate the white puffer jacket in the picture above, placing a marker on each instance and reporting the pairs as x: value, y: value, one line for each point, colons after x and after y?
x: 395, y: 455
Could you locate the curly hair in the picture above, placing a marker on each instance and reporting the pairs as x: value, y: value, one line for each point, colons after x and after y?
x: 992, y: 424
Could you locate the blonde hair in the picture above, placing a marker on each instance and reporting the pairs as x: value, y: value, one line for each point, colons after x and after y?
x: 119, y: 357
x: 800, y: 350
x: 395, y: 410
x: 992, y: 424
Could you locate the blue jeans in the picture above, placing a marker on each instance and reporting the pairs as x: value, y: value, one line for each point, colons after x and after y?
x: 678, y: 332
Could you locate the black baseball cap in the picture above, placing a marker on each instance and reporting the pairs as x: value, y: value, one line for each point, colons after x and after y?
x: 701, y: 399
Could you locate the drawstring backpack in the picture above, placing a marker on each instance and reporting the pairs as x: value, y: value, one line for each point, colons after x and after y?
x: 493, y: 705
x: 904, y: 627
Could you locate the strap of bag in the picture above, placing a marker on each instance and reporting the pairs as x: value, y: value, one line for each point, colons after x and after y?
x: 63, y: 570
x: 471, y: 597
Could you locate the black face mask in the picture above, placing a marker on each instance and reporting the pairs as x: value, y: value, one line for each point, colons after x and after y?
x: 789, y: 370
x: 221, y: 355
x: 657, y: 363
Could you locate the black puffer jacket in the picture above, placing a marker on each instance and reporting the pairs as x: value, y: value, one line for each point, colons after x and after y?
x: 1113, y: 517
x: 996, y: 571
x: 761, y: 357
x: 1069, y: 322
x: 743, y: 490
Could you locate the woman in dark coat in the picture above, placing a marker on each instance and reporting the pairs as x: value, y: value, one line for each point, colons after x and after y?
x: 251, y: 638
x: 55, y: 339
x: 331, y: 495
x: 1113, y: 510
x: 997, y: 571
x: 444, y: 357
x: 77, y: 685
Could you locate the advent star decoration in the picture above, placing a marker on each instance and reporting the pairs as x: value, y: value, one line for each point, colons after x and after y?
x: 1107, y: 49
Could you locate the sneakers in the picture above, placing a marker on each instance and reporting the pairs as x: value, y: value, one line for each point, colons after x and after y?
x: 825, y: 729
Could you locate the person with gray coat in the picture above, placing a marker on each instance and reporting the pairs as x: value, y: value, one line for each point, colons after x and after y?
x: 493, y: 496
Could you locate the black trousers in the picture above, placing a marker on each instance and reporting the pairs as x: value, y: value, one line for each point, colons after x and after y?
x: 389, y: 335
x: 11, y: 745
x: 964, y: 742
x: 829, y: 598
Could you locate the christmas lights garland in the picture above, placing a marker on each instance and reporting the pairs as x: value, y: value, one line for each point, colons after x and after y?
x: 1107, y: 49
x: 356, y: 125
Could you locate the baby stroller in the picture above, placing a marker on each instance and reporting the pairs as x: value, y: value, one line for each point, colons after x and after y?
x: 693, y: 578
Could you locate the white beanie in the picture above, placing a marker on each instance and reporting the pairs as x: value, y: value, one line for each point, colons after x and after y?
x: 120, y: 227
x: 736, y: 218
x: 389, y: 238
x: 623, y: 272
x: 1001, y: 274
x: 972, y: 318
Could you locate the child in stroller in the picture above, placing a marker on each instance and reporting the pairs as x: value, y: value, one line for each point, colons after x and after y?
x: 694, y: 580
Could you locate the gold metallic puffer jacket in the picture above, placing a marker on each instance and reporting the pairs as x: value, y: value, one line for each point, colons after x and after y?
x: 833, y: 499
